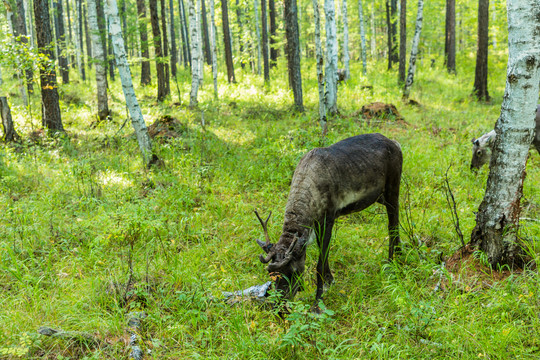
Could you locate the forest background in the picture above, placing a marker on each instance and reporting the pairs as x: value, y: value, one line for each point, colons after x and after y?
x: 90, y: 236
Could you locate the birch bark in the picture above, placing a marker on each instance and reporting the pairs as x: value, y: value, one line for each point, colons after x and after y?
x: 320, y: 64
x: 331, y: 57
x: 195, y: 54
x: 414, y: 50
x: 137, y: 120
x: 498, y: 215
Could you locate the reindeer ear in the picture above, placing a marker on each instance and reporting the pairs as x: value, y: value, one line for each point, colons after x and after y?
x: 263, y: 245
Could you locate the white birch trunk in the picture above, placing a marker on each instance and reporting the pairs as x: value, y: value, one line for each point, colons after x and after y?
x: 414, y: 50
x: 498, y: 216
x: 320, y: 63
x: 200, y: 42
x: 214, y: 47
x: 194, y: 29
x: 331, y: 57
x: 98, y: 56
x: 258, y: 37
x: 346, y: 42
x: 137, y: 120
x: 362, y: 37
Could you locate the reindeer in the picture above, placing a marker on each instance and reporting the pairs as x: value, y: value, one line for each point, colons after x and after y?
x: 330, y: 182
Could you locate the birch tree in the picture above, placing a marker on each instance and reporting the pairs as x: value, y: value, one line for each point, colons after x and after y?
x: 346, y: 41
x: 320, y: 64
x: 497, y: 219
x: 414, y: 50
x: 194, y: 28
x: 363, y: 49
x: 98, y: 55
x: 214, y: 47
x: 331, y: 57
x: 137, y: 120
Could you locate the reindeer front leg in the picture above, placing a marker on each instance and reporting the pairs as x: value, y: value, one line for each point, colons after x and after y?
x: 324, y: 275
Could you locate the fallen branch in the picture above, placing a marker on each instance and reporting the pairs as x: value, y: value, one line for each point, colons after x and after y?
x: 453, y: 209
x: 75, y: 336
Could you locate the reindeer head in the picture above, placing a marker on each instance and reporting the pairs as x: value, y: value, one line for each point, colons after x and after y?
x: 287, y: 263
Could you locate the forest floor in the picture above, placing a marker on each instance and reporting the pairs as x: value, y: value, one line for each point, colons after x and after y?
x: 88, y: 237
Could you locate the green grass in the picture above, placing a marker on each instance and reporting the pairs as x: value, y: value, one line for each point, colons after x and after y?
x: 76, y: 212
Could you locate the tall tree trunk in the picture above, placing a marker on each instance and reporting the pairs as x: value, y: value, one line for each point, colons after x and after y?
x: 165, y: 48
x: 207, y: 54
x: 89, y: 53
x: 110, y: 53
x: 70, y: 33
x: 174, y: 50
x: 101, y: 21
x: 61, y: 38
x: 258, y: 37
x: 274, y: 52
x: 50, y: 109
x: 185, y: 37
x: 480, y: 89
x: 363, y: 50
x: 194, y: 28
x: 123, y: 16
x: 346, y: 42
x: 30, y: 24
x: 393, y: 29
x: 227, y: 41
x: 264, y: 29
x: 293, y: 52
x: 80, y: 40
x: 240, y: 33
x: 450, y: 38
x: 21, y: 31
x: 213, y: 34
x: 13, y: 29
x: 146, y: 77
x: 137, y: 120
x: 402, y: 42
x: 10, y: 134
x: 373, y: 42
x: 98, y: 54
x: 331, y: 58
x: 389, y: 34
x: 414, y: 50
x: 320, y: 64
x: 160, y: 66
x: 497, y: 219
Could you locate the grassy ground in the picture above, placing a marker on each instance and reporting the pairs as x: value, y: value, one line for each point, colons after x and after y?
x: 78, y: 213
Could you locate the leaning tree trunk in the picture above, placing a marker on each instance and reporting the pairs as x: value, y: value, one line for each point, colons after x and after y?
x: 320, y: 64
x: 10, y: 134
x: 450, y: 38
x: 293, y: 52
x: 363, y: 49
x: 137, y: 120
x: 414, y: 50
x: 146, y: 77
x: 497, y: 219
x: 346, y: 42
x: 402, y: 42
x: 480, y: 89
x: 194, y: 28
x: 158, y: 51
x: 50, y: 105
x: 331, y: 57
x: 213, y: 34
x: 98, y: 54
x: 227, y: 41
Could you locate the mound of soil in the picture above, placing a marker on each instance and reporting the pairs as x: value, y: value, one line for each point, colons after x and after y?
x: 380, y: 111
x: 166, y: 128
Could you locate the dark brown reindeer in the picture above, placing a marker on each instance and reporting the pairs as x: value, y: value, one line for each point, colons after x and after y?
x: 330, y: 182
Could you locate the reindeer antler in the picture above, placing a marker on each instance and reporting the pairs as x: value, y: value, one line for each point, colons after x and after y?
x: 264, y: 226
x: 286, y: 259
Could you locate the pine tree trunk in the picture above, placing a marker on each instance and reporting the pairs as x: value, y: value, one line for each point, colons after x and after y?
x: 102, y: 32
x: 98, y: 54
x: 146, y: 77
x: 414, y: 50
x: 363, y: 50
x: 194, y: 28
x: 346, y: 42
x: 70, y: 34
x: 402, y: 42
x: 258, y: 37
x: 227, y: 42
x: 264, y: 28
x: 174, y: 50
x: 80, y: 40
x: 450, y: 38
x: 207, y: 54
x: 61, y: 46
x: 213, y: 34
x: 480, y: 89
x: 165, y: 48
x: 497, y: 219
x: 160, y: 66
x: 331, y: 58
x: 137, y: 120
x: 274, y: 52
x: 240, y: 33
x: 393, y: 28
x: 50, y: 109
x: 10, y: 134
x: 389, y: 34
x: 293, y: 52
x: 320, y: 65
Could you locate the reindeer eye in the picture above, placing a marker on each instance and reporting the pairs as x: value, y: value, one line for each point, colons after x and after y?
x: 479, y: 152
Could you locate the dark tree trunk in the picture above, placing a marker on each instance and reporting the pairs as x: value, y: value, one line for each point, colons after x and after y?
x: 80, y: 39
x: 165, y: 48
x: 274, y: 52
x: 185, y: 38
x: 88, y: 41
x: 402, y: 43
x: 160, y: 68
x: 174, y: 50
x: 50, y: 110
x: 146, y: 78
x: 240, y: 33
x: 389, y: 34
x: 206, y: 38
x: 450, y: 38
x: 61, y: 39
x: 110, y: 55
x: 20, y: 30
x: 10, y: 134
x: 124, y: 24
x: 393, y: 27
x: 293, y: 52
x: 70, y: 34
x: 265, y: 42
x: 480, y: 89
x: 102, y: 31
x: 227, y: 41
